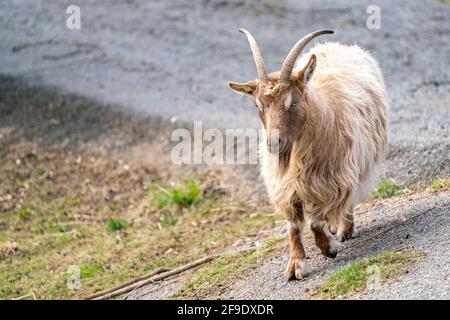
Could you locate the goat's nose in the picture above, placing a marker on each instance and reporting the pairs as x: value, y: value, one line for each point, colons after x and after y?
x: 281, y: 144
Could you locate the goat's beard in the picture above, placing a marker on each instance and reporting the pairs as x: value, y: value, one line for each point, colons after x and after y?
x: 284, y: 158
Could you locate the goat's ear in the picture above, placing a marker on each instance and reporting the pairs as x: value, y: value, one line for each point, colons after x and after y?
x: 248, y: 88
x: 306, y: 73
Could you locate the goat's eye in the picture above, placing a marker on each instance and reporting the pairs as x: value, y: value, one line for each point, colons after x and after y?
x: 287, y: 103
x: 259, y: 105
x: 288, y: 108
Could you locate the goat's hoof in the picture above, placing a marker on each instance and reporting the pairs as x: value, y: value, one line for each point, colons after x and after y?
x: 345, y: 235
x: 325, y: 241
x: 330, y: 254
x: 331, y: 250
x: 296, y: 269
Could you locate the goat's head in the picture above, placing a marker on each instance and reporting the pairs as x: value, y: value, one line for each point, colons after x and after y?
x: 278, y: 96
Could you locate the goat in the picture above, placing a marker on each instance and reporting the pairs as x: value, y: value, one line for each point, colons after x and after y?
x: 325, y: 127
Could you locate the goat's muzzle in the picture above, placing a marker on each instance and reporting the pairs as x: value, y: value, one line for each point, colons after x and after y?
x: 276, y: 144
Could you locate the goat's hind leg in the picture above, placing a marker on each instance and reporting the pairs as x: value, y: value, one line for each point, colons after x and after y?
x: 346, y: 227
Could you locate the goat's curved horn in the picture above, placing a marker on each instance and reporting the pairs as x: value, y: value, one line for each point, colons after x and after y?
x: 288, y: 64
x: 262, y: 73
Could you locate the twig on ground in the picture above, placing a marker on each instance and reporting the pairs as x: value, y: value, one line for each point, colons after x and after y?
x: 156, y: 288
x: 127, y: 283
x: 134, y: 290
x: 26, y: 296
x: 126, y: 287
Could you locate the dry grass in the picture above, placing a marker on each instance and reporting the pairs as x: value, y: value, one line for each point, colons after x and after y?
x: 108, y: 218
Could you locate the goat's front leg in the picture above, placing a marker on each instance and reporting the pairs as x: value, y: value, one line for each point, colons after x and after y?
x: 296, y: 268
x: 323, y: 237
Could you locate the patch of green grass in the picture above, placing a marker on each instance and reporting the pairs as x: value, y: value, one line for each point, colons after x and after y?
x: 89, y: 271
x: 114, y: 207
x: 358, y: 274
x: 440, y: 184
x: 116, y: 224
x: 186, y: 194
x: 223, y: 267
x: 386, y: 188
x: 38, y: 172
x: 63, y: 228
x: 168, y: 219
x: 162, y: 199
x: 23, y: 213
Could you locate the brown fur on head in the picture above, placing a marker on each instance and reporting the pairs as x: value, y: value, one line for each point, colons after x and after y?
x: 279, y: 105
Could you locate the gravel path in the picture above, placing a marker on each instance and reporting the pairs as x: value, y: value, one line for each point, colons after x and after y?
x: 431, y: 278
x: 428, y: 233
